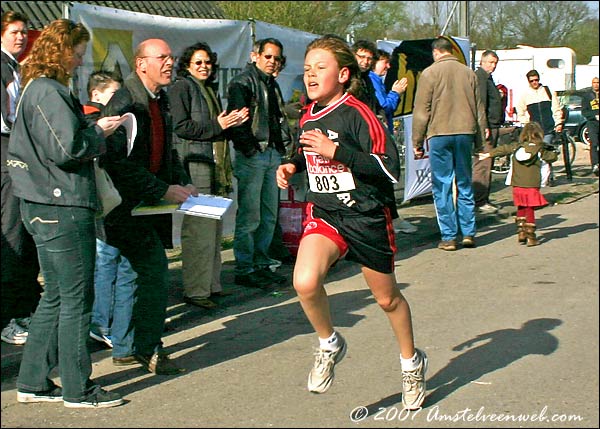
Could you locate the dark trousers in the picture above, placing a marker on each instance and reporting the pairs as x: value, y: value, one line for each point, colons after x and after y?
x: 142, y: 246
x: 482, y: 171
x: 20, y: 267
x: 59, y: 330
x: 593, y: 133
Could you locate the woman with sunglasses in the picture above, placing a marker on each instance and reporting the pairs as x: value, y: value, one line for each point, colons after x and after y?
x: 199, y: 125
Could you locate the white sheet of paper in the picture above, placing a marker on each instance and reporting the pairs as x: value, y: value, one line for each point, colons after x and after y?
x: 130, y: 123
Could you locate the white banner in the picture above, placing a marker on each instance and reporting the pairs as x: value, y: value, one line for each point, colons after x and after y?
x: 418, y: 171
x: 116, y: 33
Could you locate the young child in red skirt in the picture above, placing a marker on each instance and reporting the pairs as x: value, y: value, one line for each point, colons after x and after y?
x: 527, y: 156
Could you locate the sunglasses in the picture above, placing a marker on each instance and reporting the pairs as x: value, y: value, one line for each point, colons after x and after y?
x: 364, y: 57
x: 533, y: 80
x: 200, y: 62
x: 269, y: 56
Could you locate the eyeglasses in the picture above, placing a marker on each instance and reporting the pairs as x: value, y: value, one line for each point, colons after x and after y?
x: 269, y: 56
x: 533, y: 80
x: 200, y: 62
x: 364, y: 57
x: 162, y: 58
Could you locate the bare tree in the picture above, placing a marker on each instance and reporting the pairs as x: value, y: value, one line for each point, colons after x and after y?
x: 493, y: 25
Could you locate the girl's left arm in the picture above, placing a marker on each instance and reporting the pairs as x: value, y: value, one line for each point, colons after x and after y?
x: 379, y: 156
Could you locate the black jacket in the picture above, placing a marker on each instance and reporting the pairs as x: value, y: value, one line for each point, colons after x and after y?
x: 9, y: 90
x: 131, y: 174
x: 590, y: 105
x: 262, y: 95
x: 194, y: 128
x: 491, y: 98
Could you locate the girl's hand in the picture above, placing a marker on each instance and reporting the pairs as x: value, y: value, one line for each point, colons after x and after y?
x: 284, y: 172
x: 483, y: 155
x: 316, y: 141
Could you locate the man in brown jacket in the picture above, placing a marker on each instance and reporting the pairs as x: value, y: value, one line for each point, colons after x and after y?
x: 450, y: 117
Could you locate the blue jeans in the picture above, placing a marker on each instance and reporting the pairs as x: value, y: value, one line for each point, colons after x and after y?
x: 59, y: 329
x: 114, y: 284
x: 258, y: 199
x: 450, y: 158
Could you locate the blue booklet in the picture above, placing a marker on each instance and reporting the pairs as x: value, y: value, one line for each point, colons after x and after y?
x: 203, y: 205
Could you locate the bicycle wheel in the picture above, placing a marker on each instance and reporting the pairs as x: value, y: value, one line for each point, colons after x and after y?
x: 569, y: 144
x: 501, y: 165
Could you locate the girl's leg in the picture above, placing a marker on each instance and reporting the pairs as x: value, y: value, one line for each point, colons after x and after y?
x: 315, y: 255
x: 394, y: 305
x: 529, y: 214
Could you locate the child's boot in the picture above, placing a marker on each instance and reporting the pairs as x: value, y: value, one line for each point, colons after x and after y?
x: 530, y: 233
x: 521, y: 235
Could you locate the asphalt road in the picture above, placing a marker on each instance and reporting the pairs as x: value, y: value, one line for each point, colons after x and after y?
x: 511, y: 333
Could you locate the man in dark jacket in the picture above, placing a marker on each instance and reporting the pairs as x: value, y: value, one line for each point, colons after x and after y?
x: 366, y: 55
x: 151, y: 172
x: 589, y: 109
x: 259, y: 147
x: 20, y: 288
x: 482, y: 169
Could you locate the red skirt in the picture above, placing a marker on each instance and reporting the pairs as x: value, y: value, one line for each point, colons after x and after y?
x: 528, y: 197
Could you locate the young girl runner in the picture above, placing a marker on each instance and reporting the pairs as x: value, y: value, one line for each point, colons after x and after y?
x: 527, y: 156
x: 352, y: 163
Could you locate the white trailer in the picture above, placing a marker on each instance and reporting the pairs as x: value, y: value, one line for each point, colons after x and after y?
x: 556, y: 67
x: 584, y: 73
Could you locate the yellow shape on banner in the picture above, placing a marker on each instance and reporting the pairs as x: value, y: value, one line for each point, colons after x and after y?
x: 112, y: 50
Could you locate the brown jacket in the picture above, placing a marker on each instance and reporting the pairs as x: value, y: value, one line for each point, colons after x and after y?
x: 447, y: 103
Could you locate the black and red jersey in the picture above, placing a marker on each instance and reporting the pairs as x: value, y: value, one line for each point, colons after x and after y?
x: 365, y: 166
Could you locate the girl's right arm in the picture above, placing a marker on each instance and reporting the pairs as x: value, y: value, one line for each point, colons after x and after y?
x: 284, y: 172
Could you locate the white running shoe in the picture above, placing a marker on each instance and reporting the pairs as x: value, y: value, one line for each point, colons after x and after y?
x: 321, y: 375
x: 413, y: 384
x: 14, y: 333
x: 106, y: 339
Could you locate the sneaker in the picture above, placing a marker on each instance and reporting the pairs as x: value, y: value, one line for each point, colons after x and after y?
x: 405, y: 227
x: 487, y: 208
x: 274, y: 264
x: 98, y: 398
x: 51, y: 395
x: 159, y: 364
x: 23, y: 322
x: 468, y: 241
x: 321, y: 375
x: 252, y: 279
x: 413, y: 384
x: 447, y: 245
x: 595, y: 170
x: 106, y: 339
x: 14, y: 333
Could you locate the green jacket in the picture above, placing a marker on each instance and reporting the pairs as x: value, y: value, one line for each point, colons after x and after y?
x: 523, y: 175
